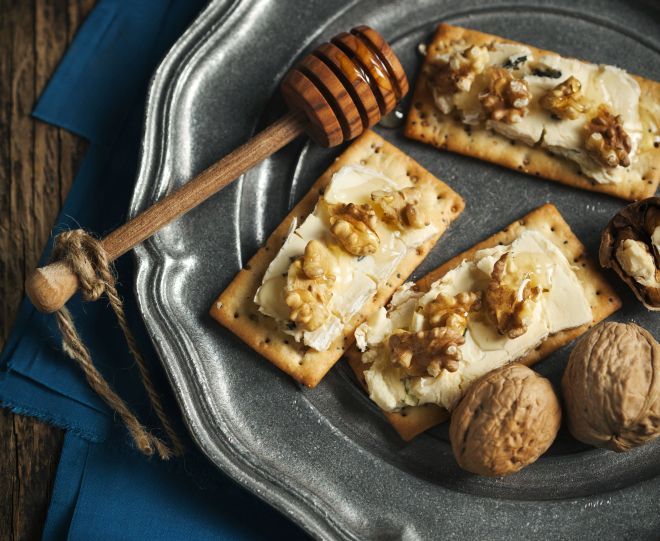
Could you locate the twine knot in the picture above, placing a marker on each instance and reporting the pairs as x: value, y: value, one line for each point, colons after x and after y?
x: 86, y: 258
x: 89, y: 261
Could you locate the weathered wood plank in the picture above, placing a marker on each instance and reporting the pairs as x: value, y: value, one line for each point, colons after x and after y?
x: 37, y: 165
x: 7, y: 438
x: 8, y: 470
x: 70, y: 146
x: 38, y: 448
x: 21, y: 147
x: 5, y: 171
x: 50, y: 23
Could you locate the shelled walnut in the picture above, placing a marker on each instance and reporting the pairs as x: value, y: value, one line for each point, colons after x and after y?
x: 455, y: 73
x: 505, y: 421
x: 637, y: 261
x: 611, y: 387
x: 318, y: 261
x: 401, y: 207
x: 507, y: 98
x: 565, y: 100
x: 310, y: 280
x: 354, y: 227
x: 606, y: 140
x: 630, y: 245
x: 510, y: 305
x: 426, y: 353
x: 452, y: 312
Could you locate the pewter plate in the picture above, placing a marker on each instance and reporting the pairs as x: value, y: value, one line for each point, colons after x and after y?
x: 326, y: 457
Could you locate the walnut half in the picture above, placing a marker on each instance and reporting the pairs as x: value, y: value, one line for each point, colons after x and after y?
x: 426, y: 353
x: 510, y: 305
x: 606, y: 140
x: 354, y: 225
x: 565, y: 100
x: 318, y: 261
x: 507, y: 98
x: 309, y: 287
x: 637, y: 260
x: 630, y: 245
x: 401, y: 208
x: 447, y: 311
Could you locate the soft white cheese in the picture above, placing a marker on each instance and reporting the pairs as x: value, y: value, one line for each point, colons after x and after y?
x: 568, y: 67
x: 354, y: 184
x: 352, y: 294
x: 620, y: 92
x: 321, y: 338
x: 508, y: 54
x: 564, y: 306
x: 386, y: 385
x: 270, y: 298
x: 374, y: 330
x: 357, y: 279
x: 600, y: 85
x: 379, y: 266
x: 529, y: 130
x: 379, y: 325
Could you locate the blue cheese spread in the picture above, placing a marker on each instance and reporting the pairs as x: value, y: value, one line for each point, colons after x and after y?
x: 601, y: 85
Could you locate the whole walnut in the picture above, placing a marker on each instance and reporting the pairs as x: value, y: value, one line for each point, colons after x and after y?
x: 611, y: 387
x: 507, y: 419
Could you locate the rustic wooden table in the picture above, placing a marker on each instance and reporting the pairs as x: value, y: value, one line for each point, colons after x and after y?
x: 37, y: 165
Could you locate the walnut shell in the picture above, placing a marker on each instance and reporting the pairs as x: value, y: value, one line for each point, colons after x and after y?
x: 506, y: 420
x: 611, y: 387
x: 636, y: 222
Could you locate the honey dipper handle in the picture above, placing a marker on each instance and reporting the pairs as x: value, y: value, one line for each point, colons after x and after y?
x: 50, y: 287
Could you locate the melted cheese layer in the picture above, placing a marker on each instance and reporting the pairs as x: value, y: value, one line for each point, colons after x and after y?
x: 564, y: 306
x: 601, y: 84
x: 359, y: 278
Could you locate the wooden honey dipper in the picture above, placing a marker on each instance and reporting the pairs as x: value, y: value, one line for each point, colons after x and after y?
x: 334, y: 94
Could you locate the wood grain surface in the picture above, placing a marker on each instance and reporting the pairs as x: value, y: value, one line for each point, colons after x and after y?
x: 37, y: 165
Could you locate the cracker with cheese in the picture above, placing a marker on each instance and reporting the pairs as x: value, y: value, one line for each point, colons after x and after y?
x: 517, y: 296
x: 590, y: 126
x: 338, y: 256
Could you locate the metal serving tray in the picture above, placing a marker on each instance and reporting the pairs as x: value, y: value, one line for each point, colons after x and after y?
x: 326, y: 457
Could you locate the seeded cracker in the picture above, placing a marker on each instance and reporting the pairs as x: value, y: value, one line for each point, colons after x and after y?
x: 427, y: 124
x: 236, y: 310
x: 602, y: 299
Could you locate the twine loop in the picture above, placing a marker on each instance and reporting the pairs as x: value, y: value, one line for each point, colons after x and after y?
x: 89, y: 261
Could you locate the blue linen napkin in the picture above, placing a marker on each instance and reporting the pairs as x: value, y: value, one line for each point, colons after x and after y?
x: 104, y: 489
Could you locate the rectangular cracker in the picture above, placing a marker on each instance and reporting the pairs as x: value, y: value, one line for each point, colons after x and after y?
x: 427, y: 124
x: 414, y: 420
x: 236, y: 310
